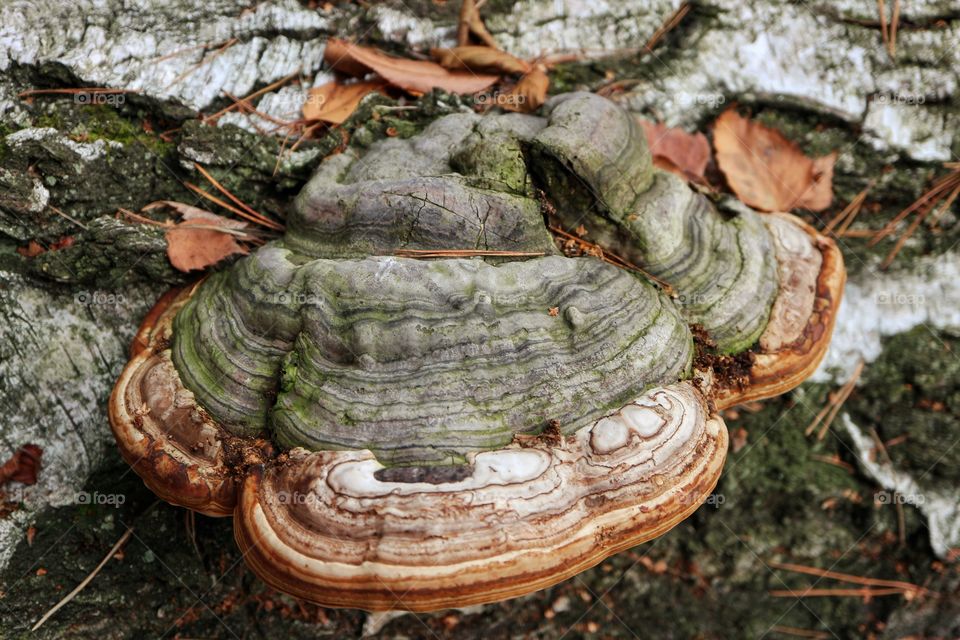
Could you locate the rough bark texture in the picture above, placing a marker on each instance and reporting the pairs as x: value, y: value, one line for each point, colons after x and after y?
x: 818, y: 71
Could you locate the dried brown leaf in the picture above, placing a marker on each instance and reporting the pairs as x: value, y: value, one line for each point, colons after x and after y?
x: 414, y: 76
x: 333, y: 102
x: 470, y: 23
x: 32, y: 250
x: 479, y: 59
x: 192, y: 244
x: 22, y: 466
x: 766, y: 170
x: 686, y: 154
x: 529, y: 93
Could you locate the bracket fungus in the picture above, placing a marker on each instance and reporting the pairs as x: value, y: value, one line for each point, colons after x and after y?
x: 396, y: 433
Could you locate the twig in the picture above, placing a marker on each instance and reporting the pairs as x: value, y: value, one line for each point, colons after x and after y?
x: 846, y: 217
x: 892, y: 442
x: 935, y: 218
x: 800, y: 633
x: 178, y: 52
x: 93, y: 574
x: 835, y: 461
x: 848, y: 577
x: 249, y: 108
x: 142, y: 219
x: 857, y: 233
x: 463, y: 23
x: 206, y: 60
x: 902, y: 240
x: 240, y: 212
x: 814, y: 593
x: 894, y: 23
x: 470, y: 22
x: 306, y: 134
x: 901, y: 516
x: 256, y: 216
x: 245, y: 235
x: 463, y: 253
x: 590, y: 248
x: 68, y: 217
x: 255, y: 94
x: 884, y: 34
x: 830, y: 411
x: 73, y: 91
x: 283, y: 147
x: 940, y: 186
x: 190, y: 524
x: 669, y: 25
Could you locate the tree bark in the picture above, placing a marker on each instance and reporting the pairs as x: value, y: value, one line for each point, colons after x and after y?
x: 819, y: 71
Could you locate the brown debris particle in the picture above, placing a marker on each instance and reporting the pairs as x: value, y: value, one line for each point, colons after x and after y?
x: 551, y: 436
x: 729, y: 371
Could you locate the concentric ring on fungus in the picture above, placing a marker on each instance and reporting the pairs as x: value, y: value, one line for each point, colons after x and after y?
x: 392, y: 433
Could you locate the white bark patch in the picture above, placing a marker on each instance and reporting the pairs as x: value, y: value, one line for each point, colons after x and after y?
x: 942, y: 510
x: 53, y: 338
x: 877, y: 304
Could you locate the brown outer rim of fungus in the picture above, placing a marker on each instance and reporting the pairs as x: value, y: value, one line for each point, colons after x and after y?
x: 225, y: 488
x: 486, y: 579
x: 774, y: 373
x: 207, y: 489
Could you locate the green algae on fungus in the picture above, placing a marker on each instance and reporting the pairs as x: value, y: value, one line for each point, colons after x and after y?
x: 449, y: 354
x: 463, y: 429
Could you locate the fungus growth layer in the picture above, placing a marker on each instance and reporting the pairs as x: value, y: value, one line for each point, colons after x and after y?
x: 324, y: 340
x: 395, y: 433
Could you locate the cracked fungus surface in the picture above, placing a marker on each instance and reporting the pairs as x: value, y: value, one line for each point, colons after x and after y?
x: 325, y: 340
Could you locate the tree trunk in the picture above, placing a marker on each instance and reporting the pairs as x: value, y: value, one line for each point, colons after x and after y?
x: 75, y: 281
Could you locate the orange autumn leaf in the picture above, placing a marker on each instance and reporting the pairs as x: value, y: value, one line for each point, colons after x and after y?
x: 470, y: 23
x: 333, y: 102
x: 34, y: 248
x: 197, y: 243
x: 22, y: 466
x: 529, y: 93
x: 685, y: 154
x: 414, y: 76
x: 767, y: 171
x: 478, y: 58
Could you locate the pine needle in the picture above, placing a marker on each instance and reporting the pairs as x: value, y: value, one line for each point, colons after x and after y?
x: 669, y: 25
x: 800, y: 633
x: 464, y: 253
x: 206, y: 60
x: 829, y: 412
x: 596, y: 250
x: 252, y: 215
x: 255, y: 94
x: 80, y: 587
x: 849, y: 213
